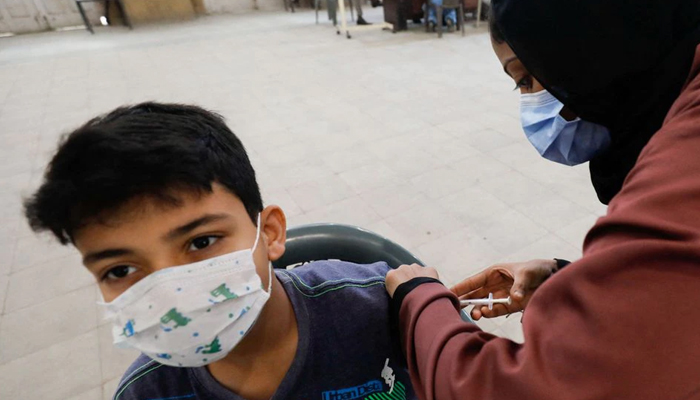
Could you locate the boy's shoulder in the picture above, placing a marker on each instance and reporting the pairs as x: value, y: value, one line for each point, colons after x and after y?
x: 148, y: 379
x: 321, y: 277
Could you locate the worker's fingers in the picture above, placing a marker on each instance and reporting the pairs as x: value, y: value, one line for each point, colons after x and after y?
x: 476, y: 314
x: 529, y: 276
x: 526, y: 281
x: 497, y: 311
x: 501, y: 292
x: 405, y: 273
x: 471, y: 284
x: 477, y: 294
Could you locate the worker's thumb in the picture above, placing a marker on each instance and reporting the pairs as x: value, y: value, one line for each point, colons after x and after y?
x: 522, y: 281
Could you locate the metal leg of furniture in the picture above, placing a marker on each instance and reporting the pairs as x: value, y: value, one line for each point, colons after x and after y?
x: 478, y: 14
x: 333, y: 11
x: 85, y: 19
x: 107, y: 7
x: 343, y: 22
x: 425, y: 16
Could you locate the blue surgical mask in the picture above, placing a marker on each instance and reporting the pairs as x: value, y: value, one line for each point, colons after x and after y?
x: 556, y: 139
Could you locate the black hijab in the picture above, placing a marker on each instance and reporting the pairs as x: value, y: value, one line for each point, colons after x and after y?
x: 618, y: 63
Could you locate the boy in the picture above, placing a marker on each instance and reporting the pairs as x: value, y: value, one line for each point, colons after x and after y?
x: 161, y: 201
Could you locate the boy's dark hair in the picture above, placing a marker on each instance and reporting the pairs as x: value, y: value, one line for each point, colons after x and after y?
x: 149, y: 149
x: 496, y: 32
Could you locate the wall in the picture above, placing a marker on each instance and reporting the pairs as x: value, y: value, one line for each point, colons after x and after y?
x: 141, y: 11
x: 20, y: 16
x: 241, y: 6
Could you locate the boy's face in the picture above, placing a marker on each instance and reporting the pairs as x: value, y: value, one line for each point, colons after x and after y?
x: 145, y: 236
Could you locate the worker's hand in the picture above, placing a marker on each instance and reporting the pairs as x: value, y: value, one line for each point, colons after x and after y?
x: 517, y: 280
x: 405, y: 273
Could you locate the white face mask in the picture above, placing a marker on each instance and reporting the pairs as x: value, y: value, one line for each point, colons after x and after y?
x: 194, y: 314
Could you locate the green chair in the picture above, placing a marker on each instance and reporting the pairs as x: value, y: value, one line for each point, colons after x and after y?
x: 315, y: 242
x: 341, y: 242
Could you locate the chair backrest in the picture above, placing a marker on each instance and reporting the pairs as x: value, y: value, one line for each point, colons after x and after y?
x: 341, y: 242
x: 314, y: 242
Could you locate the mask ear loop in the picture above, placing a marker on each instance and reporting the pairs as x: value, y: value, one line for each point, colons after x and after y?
x: 255, y: 246
x: 257, y: 235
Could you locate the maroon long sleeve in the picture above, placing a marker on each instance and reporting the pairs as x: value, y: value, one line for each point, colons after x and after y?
x: 623, y: 322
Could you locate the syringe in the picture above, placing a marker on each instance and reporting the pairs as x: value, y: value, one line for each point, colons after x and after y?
x: 490, y: 301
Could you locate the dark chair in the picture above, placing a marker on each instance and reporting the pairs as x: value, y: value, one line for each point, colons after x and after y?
x: 289, y: 5
x: 446, y: 4
x: 314, y: 242
x: 119, y: 5
x: 341, y: 242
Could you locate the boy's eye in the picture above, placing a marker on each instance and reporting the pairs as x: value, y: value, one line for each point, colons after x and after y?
x: 202, y: 242
x: 119, y: 272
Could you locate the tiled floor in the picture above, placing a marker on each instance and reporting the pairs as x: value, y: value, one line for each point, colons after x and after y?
x: 410, y: 136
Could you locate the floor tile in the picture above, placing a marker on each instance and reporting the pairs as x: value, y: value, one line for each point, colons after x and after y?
x: 351, y: 211
x: 508, y: 231
x: 421, y: 224
x: 109, y: 388
x: 393, y: 199
x: 553, y: 213
x: 441, y: 182
x: 65, y: 275
x: 575, y: 232
x: 473, y: 204
x: 312, y: 195
x: 368, y: 177
x: 459, y: 254
x: 38, y: 249
x: 53, y: 321
x: 92, y: 394
x: 114, y: 361
x: 4, y: 281
x: 79, y: 355
x: 7, y: 250
x: 281, y: 198
x: 545, y: 248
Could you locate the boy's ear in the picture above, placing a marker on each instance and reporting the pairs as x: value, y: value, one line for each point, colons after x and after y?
x: 274, y: 227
